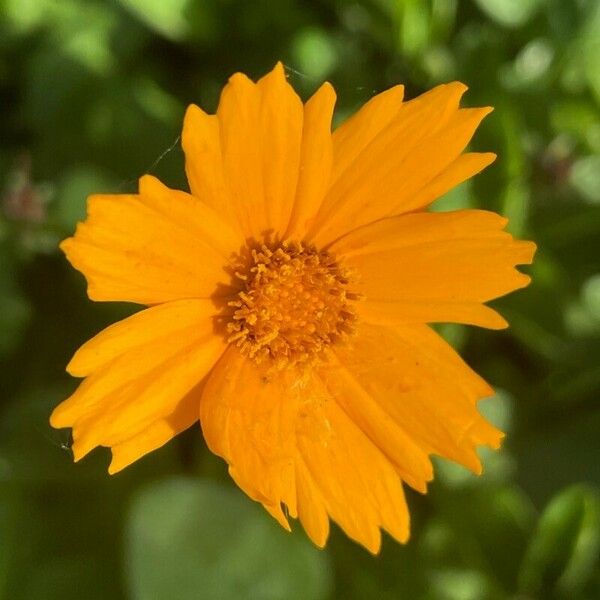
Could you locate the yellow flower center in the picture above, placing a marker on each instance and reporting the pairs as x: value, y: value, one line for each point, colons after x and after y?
x: 294, y: 303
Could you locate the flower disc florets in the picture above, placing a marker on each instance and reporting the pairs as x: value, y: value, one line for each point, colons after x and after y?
x: 294, y: 303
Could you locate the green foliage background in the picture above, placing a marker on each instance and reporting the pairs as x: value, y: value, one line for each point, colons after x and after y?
x: 93, y: 93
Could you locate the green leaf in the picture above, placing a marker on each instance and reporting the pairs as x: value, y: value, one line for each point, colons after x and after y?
x: 415, y: 27
x: 195, y: 539
x: 591, y: 296
x: 590, y: 53
x: 511, y: 13
x: 166, y: 18
x: 585, y: 178
x: 563, y: 553
x: 314, y: 53
x: 462, y: 584
x: 25, y: 16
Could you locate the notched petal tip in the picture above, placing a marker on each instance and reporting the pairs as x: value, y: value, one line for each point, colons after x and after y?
x: 487, y: 158
x: 327, y: 89
x: 147, y: 183
x: 497, y: 442
x: 527, y: 251
x: 374, y: 544
x: 319, y: 538
x: 476, y: 114
x: 58, y: 420
x: 192, y: 111
x: 521, y: 280
x: 236, y: 81
x: 65, y: 245
x: 279, y: 68
x: 494, y: 320
x: 114, y: 467
x: 80, y: 449
x: 277, y: 513
x: 275, y: 84
x: 457, y: 86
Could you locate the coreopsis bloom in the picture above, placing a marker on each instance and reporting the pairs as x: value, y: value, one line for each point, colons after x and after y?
x: 290, y: 296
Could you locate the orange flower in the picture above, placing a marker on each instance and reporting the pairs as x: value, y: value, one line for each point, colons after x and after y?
x: 290, y: 300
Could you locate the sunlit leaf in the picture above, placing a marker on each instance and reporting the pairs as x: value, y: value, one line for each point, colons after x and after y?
x: 315, y: 54
x: 591, y: 49
x: 511, y: 13
x: 462, y: 584
x: 564, y: 552
x: 585, y: 178
x: 201, y: 540
x: 166, y: 18
x: 414, y: 31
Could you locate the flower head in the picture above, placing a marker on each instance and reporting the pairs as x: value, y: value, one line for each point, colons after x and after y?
x: 290, y: 297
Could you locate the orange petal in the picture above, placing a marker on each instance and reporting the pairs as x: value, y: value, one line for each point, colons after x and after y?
x: 154, y: 247
x: 157, y: 434
x: 312, y: 511
x: 443, y: 266
x: 136, y: 379
x: 423, y: 386
x: 240, y: 138
x: 315, y: 160
x: 287, y: 442
x: 260, y: 138
x: 201, y: 141
x: 356, y: 483
x: 355, y: 134
x: 173, y: 319
x: 463, y: 168
x: 429, y: 311
x: 249, y: 419
x: 281, y: 125
x: 422, y: 141
x: 410, y: 460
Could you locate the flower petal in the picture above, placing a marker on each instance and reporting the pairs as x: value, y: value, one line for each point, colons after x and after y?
x: 423, y: 140
x: 158, y: 433
x: 464, y: 167
x: 312, y: 511
x: 281, y: 125
x: 315, y: 160
x: 410, y: 460
x: 355, y: 134
x: 286, y: 441
x: 201, y: 141
x: 423, y: 386
x: 260, y: 128
x: 357, y: 484
x: 445, y: 265
x: 158, y: 246
x: 247, y: 419
x: 136, y: 379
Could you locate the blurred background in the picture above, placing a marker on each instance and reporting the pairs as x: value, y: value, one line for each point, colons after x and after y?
x: 93, y: 94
